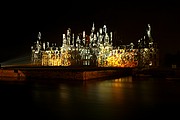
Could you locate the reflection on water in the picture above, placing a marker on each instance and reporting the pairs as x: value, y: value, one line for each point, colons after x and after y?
x: 120, y: 82
x: 123, y: 98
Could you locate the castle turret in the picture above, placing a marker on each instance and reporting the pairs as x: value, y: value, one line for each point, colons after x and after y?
x: 64, y: 40
x: 78, y: 42
x: 104, y: 29
x: 111, y: 36
x: 149, y: 36
x: 68, y: 36
x: 39, y: 35
x: 84, y: 38
x: 73, y: 40
x: 93, y: 28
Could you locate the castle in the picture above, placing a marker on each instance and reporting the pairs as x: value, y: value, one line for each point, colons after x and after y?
x: 97, y: 50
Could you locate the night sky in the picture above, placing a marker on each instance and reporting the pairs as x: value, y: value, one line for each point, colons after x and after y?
x: 21, y: 22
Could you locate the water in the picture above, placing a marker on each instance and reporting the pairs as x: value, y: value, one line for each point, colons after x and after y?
x: 114, y: 99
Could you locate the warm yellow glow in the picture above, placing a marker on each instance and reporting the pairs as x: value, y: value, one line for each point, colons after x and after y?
x: 95, y: 49
x: 117, y: 58
x: 49, y: 59
x: 106, y: 58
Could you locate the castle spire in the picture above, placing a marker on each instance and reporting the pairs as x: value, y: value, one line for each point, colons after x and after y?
x: 93, y: 28
x: 149, y: 36
x: 149, y: 31
x: 39, y: 35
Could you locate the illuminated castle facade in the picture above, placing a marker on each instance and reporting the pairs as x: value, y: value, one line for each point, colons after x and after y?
x: 95, y: 49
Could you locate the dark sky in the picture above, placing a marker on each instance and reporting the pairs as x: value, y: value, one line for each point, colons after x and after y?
x: 21, y: 22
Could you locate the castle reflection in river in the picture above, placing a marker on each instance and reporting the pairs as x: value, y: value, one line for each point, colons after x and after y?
x: 95, y: 49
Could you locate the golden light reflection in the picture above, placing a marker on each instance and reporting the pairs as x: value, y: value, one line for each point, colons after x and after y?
x: 64, y: 93
x: 122, y: 82
x: 119, y: 82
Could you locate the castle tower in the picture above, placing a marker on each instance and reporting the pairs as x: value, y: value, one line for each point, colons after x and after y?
x: 64, y: 40
x: 111, y: 36
x: 149, y: 36
x: 84, y: 38
x: 93, y: 28
x: 68, y: 36
x: 73, y: 40
x: 39, y: 35
x: 105, y: 29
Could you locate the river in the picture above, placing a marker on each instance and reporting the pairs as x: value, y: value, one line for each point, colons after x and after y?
x: 125, y: 98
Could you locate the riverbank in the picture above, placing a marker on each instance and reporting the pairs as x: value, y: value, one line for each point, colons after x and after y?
x: 11, y: 75
x: 161, y: 72
x: 65, y: 73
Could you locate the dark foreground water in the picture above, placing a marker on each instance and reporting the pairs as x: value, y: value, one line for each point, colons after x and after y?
x: 113, y: 99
